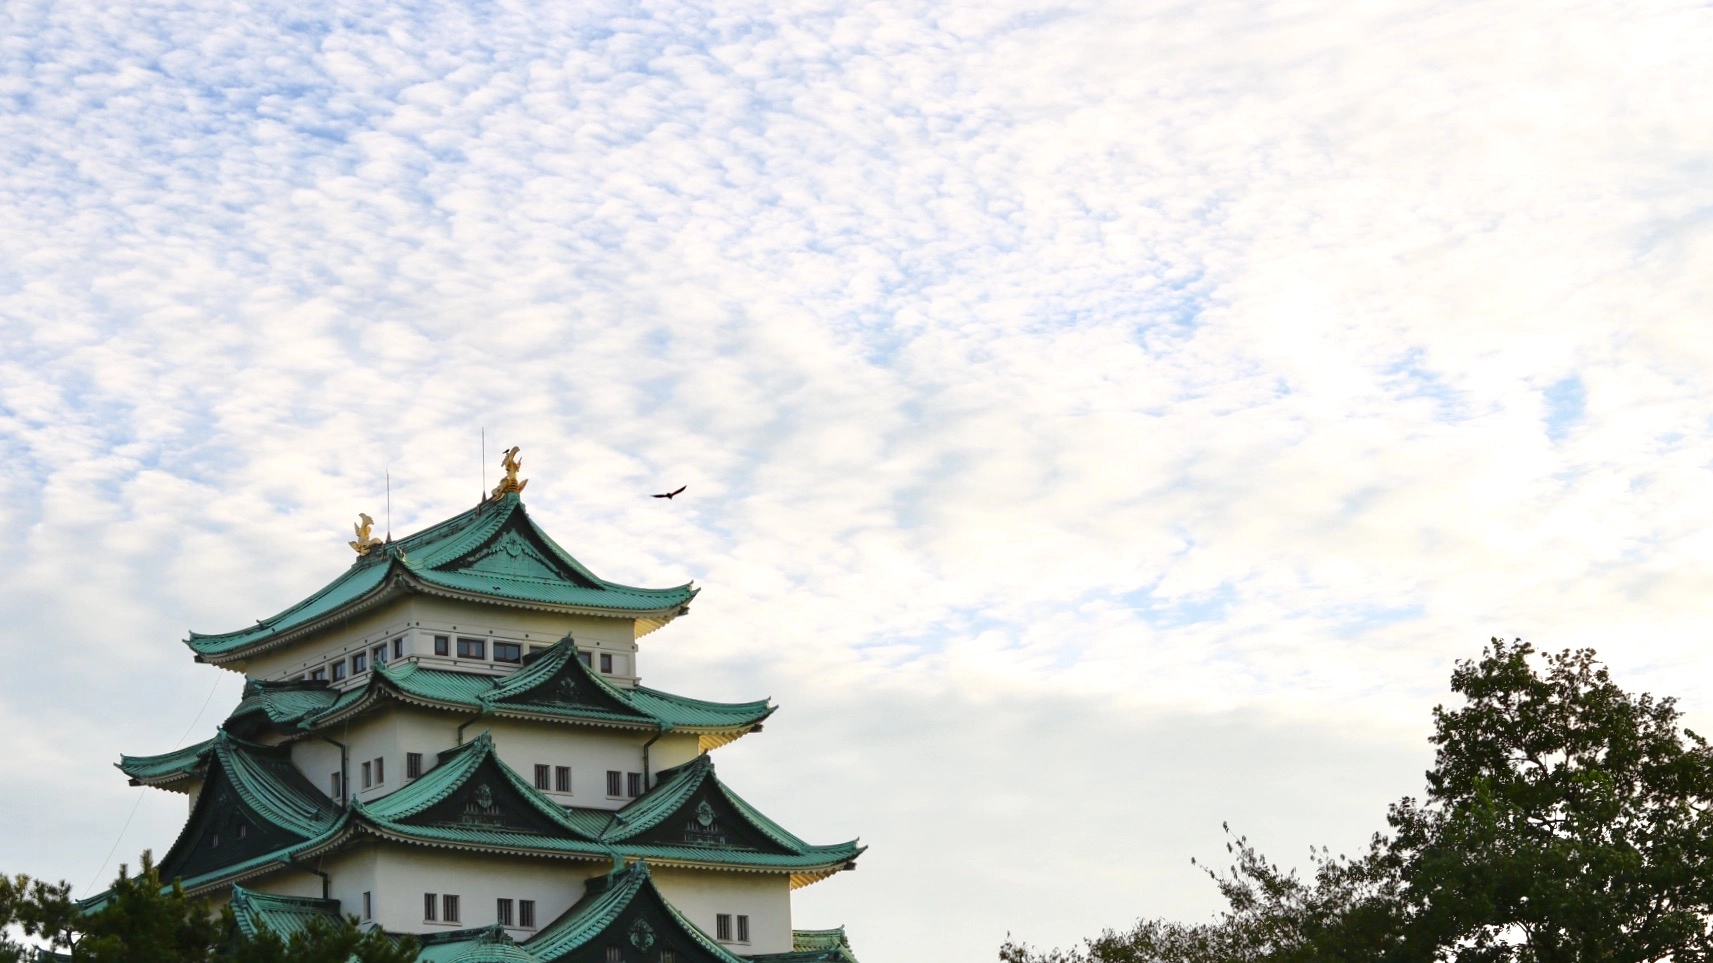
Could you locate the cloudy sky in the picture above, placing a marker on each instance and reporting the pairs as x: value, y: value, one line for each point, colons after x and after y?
x: 1101, y: 419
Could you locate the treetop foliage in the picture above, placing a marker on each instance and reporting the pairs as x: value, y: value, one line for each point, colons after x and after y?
x: 1564, y: 821
x: 143, y: 920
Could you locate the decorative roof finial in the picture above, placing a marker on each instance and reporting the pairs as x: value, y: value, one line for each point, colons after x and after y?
x: 365, y: 541
x: 511, y: 463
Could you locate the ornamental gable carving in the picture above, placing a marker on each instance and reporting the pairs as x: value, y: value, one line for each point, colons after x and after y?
x: 488, y: 800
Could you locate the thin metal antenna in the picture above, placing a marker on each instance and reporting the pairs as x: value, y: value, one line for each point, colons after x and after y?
x: 389, y: 504
x: 483, y: 496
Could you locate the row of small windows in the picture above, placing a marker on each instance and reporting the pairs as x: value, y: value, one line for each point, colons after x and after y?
x: 444, y: 908
x: 620, y: 785
x: 510, y: 653
x: 447, y: 908
x: 358, y: 663
x: 374, y: 773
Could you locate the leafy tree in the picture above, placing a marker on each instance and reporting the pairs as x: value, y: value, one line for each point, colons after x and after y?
x: 142, y: 920
x: 13, y: 890
x: 321, y: 941
x: 1565, y: 821
x: 1347, y: 912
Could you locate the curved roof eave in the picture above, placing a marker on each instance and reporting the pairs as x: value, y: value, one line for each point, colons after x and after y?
x: 402, y: 582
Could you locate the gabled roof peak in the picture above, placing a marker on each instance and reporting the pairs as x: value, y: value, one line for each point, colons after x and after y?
x: 492, y: 553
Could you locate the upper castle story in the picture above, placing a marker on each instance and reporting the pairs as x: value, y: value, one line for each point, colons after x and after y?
x: 478, y: 593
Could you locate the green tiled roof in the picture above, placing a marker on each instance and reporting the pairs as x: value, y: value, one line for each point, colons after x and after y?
x: 493, y: 551
x: 472, y: 799
x: 625, y: 908
x: 282, y: 706
x: 280, y: 915
x: 663, y: 823
x: 166, y: 768
x: 812, y: 946
x: 437, y: 809
x: 474, y: 772
x: 260, y: 802
x: 272, y: 787
x: 555, y: 685
x: 488, y: 944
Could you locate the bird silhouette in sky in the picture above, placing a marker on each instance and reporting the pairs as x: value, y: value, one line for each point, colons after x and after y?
x: 673, y: 494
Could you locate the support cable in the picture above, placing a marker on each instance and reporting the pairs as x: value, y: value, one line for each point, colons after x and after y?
x: 142, y: 790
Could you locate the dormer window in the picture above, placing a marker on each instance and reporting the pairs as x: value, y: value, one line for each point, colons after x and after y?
x: 508, y: 652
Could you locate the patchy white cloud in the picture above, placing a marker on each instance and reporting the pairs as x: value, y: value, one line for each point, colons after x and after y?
x: 1219, y: 370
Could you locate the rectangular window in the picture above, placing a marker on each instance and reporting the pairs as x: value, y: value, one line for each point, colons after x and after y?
x: 667, y: 956
x: 359, y: 664
x: 335, y: 788
x: 338, y: 670
x: 243, y: 830
x: 214, y: 841
x: 368, y: 905
x: 585, y: 658
x: 606, y: 663
x: 561, y: 778
x: 542, y: 773
x: 633, y: 784
x: 743, y: 929
x: 379, y: 654
x: 367, y: 782
x: 615, y: 955
x: 429, y: 904
x: 319, y: 675
x: 508, y: 652
x: 503, y: 911
x: 380, y: 771
x: 472, y: 649
x: 398, y: 648
x: 526, y: 913
x: 412, y: 765
x: 449, y: 908
x: 537, y: 649
x: 442, y: 645
x: 723, y: 927
x: 615, y: 783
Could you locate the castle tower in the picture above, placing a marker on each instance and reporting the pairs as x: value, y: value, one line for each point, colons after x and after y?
x: 452, y: 740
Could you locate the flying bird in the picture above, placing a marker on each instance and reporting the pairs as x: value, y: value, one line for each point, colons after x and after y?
x: 673, y: 493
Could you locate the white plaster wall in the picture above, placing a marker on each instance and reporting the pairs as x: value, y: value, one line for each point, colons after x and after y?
x: 589, y: 753
x: 316, y: 760
x: 404, y: 873
x: 765, y: 898
x: 398, y: 729
x: 416, y: 619
x: 353, y: 872
x: 285, y: 882
x: 673, y: 749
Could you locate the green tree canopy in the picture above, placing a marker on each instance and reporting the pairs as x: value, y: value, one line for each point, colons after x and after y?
x: 1565, y: 821
x: 143, y: 920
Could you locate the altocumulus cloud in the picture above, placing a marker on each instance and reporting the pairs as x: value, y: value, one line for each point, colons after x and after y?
x: 1100, y: 419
